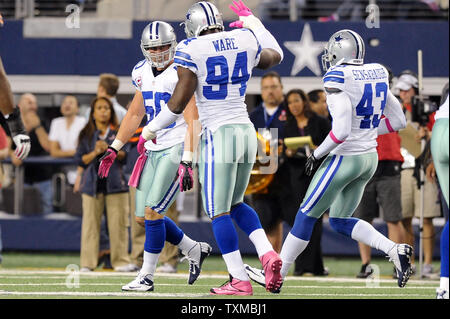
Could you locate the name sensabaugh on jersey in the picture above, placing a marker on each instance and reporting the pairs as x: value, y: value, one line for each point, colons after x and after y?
x: 367, y: 87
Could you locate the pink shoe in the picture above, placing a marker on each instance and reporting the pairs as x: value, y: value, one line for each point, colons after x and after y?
x: 234, y: 287
x: 271, y: 263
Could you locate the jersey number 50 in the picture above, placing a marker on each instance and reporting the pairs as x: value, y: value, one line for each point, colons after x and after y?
x: 366, y: 108
x: 219, y: 63
x: 153, y: 111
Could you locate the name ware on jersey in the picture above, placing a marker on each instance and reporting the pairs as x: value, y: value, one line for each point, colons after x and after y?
x: 223, y: 63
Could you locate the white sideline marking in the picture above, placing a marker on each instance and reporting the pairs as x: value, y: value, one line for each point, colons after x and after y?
x: 5, y: 273
x: 182, y: 295
x: 103, y: 294
x: 203, y: 285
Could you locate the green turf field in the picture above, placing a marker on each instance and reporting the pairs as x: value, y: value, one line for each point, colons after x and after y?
x: 55, y: 276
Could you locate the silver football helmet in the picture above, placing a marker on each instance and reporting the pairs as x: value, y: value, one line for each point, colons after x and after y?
x: 344, y: 46
x: 157, y: 34
x: 202, y: 16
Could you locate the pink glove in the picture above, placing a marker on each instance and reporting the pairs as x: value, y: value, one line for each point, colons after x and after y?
x: 140, y: 145
x: 242, y: 11
x: 137, y: 170
x: 185, y: 176
x: 106, y: 162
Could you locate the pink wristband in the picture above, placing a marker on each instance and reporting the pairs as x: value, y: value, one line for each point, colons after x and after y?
x: 335, y: 139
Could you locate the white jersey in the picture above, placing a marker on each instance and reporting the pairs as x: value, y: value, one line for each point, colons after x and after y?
x: 156, y: 92
x: 442, y: 113
x: 223, y: 63
x: 367, y: 87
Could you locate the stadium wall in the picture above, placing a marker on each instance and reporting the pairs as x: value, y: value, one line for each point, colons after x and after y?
x: 61, y: 232
x: 32, y: 51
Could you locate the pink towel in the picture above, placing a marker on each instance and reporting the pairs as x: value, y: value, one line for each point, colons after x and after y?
x: 137, y: 170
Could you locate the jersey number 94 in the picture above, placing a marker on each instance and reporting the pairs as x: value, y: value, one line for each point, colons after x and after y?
x: 219, y: 74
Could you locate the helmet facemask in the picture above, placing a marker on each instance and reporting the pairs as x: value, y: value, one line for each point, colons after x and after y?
x: 155, y: 35
x: 159, y: 59
x: 326, y: 61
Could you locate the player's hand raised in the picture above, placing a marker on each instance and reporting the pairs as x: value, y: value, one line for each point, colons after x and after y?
x: 246, y: 17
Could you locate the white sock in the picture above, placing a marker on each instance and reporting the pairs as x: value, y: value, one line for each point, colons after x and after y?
x: 367, y: 234
x: 186, y: 244
x: 444, y: 283
x: 235, y: 265
x: 292, y: 247
x: 259, y: 239
x: 149, y: 264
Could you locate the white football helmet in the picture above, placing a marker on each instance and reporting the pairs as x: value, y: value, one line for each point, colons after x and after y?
x: 344, y: 46
x: 202, y: 16
x: 156, y: 34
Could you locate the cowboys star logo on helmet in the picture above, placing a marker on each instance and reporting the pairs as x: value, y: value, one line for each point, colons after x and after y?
x: 200, y: 17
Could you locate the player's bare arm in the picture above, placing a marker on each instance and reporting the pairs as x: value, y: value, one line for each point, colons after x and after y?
x: 191, y: 117
x: 132, y: 119
x: 130, y: 123
x: 6, y: 97
x: 184, y: 90
x: 269, y: 58
x: 12, y: 116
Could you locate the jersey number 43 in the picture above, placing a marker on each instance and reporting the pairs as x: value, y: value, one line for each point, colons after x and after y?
x: 372, y: 104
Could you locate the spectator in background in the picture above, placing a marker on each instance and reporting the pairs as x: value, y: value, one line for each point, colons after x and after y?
x: 302, y: 121
x: 407, y: 86
x: 318, y: 102
x: 420, y: 10
x: 275, y: 203
x: 355, y: 10
x: 111, y: 192
x: 40, y: 146
x: 108, y: 87
x: 350, y: 10
x: 64, y: 133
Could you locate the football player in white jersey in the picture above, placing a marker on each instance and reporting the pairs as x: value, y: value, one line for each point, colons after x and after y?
x: 216, y: 65
x: 362, y: 107
x: 158, y: 174
x: 440, y: 150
